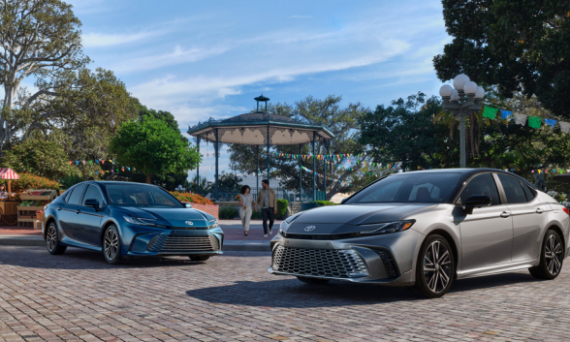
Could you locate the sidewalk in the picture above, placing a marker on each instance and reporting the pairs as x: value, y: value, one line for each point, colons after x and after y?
x: 233, y: 232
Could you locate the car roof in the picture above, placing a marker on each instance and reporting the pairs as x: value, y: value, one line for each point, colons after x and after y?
x: 117, y: 183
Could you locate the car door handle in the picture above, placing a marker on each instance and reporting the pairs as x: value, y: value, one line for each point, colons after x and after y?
x: 539, y: 211
x: 78, y: 211
x: 59, y: 209
x: 505, y: 214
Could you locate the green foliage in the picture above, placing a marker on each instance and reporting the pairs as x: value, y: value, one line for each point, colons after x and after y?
x: 405, y: 132
x: 282, y: 205
x: 190, y: 198
x: 230, y: 181
x: 325, y: 203
x: 30, y: 181
x: 256, y: 215
x: 228, y: 212
x: 516, y: 46
x: 43, y: 158
x: 154, y: 148
x: 70, y: 180
x: 145, y: 113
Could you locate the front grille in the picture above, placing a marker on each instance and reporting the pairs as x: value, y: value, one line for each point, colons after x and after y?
x: 333, y: 263
x: 320, y: 236
x: 181, y: 244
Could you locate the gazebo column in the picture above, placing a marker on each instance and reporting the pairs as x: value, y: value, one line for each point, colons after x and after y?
x: 216, y: 149
x: 314, y: 169
x: 268, y: 155
x: 257, y: 171
x: 198, y: 168
x: 325, y: 180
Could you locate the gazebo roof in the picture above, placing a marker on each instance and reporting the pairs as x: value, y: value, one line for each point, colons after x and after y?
x: 253, y: 129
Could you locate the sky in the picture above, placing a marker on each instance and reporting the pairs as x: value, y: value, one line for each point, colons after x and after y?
x: 202, y: 59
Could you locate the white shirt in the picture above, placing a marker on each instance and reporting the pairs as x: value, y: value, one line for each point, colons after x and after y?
x: 246, y: 200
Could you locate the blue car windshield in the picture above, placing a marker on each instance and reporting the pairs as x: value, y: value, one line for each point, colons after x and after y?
x: 412, y: 187
x: 134, y: 195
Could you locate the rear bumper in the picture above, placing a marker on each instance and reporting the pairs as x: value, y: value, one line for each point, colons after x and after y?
x: 178, y: 242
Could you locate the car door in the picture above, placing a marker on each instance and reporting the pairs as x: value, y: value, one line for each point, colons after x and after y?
x: 69, y: 210
x: 487, y: 234
x: 529, y: 217
x: 89, y: 219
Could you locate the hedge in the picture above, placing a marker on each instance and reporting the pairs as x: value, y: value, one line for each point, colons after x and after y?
x: 30, y: 181
x: 228, y: 212
x: 325, y: 203
x: 191, y: 198
x: 282, y: 205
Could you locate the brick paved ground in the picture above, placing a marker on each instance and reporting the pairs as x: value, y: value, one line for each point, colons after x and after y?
x: 231, y: 298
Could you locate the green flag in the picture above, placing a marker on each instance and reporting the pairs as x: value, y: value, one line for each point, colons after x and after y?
x: 490, y: 113
x: 534, y: 122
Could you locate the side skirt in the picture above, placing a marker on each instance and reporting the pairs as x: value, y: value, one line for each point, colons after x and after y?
x: 495, y: 269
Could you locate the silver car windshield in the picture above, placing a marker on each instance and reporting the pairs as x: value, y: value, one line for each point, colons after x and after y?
x: 410, y: 188
x: 140, y: 196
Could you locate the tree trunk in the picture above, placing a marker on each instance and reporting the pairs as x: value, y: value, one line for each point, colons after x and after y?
x: 149, y: 178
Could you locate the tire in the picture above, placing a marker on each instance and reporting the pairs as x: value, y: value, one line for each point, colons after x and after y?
x: 199, y: 257
x: 313, y: 281
x: 112, y: 245
x: 551, y: 257
x: 52, y: 240
x: 434, y: 277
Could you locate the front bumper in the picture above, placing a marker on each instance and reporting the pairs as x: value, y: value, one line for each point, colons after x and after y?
x: 177, y: 242
x: 380, y: 259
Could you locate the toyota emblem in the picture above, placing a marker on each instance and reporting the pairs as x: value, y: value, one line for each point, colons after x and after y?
x: 190, y: 223
x: 310, y: 228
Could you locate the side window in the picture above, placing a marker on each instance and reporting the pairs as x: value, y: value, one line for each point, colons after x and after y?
x: 94, y: 193
x: 483, y: 184
x: 75, y: 197
x: 530, y: 193
x: 513, y: 189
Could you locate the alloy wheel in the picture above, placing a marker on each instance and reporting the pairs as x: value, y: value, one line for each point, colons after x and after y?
x: 553, y: 254
x: 111, y: 244
x: 51, y: 238
x: 437, y: 266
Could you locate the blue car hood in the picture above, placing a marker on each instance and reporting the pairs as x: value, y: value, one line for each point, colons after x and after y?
x: 176, y: 217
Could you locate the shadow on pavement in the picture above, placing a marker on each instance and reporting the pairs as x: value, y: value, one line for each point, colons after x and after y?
x: 76, y: 258
x: 291, y: 293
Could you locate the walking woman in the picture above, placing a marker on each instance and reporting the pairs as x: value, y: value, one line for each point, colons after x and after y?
x: 246, y: 201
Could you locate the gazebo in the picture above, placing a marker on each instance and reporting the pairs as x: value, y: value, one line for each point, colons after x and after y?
x: 259, y: 128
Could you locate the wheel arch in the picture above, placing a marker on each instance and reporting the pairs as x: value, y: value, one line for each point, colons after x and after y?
x: 50, y: 219
x: 452, y: 244
x: 556, y: 228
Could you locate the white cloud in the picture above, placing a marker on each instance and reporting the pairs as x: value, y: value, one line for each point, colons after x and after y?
x: 94, y: 40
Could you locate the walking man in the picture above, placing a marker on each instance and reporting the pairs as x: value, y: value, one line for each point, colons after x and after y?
x: 267, y: 201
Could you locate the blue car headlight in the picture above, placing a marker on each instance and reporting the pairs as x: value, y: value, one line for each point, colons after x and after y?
x: 388, y: 227
x: 143, y: 222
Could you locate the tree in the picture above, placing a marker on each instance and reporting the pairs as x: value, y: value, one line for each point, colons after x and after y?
x: 163, y: 115
x: 154, y: 148
x: 518, y: 47
x: 83, y: 116
x: 405, y: 133
x: 38, y: 38
x: 40, y: 157
x: 230, y: 180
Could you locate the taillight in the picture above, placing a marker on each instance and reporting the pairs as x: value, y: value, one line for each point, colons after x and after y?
x: 566, y: 210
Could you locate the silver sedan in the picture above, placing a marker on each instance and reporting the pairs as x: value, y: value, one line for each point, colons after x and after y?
x: 425, y: 229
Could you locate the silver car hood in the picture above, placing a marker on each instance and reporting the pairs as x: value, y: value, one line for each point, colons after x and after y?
x: 347, y: 217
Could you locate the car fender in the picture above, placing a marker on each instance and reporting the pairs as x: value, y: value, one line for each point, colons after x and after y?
x: 110, y: 220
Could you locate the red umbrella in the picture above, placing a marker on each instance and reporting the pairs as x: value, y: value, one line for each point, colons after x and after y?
x: 9, y: 174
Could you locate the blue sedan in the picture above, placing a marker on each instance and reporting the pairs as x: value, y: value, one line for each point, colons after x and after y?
x: 129, y: 219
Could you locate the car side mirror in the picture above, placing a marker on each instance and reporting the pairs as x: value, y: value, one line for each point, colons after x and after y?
x: 476, y: 201
x: 91, y: 202
x: 188, y: 205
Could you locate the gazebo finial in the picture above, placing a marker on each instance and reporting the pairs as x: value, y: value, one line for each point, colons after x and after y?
x: 261, y: 98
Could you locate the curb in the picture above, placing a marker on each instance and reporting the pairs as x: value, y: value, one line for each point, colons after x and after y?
x: 229, y: 245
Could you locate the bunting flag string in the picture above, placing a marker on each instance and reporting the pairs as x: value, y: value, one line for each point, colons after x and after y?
x: 343, y: 183
x: 523, y: 119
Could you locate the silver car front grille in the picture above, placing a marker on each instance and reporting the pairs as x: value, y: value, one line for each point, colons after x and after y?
x: 332, y: 263
x: 182, y: 244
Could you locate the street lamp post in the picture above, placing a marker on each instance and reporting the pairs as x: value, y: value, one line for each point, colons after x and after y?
x: 462, y: 101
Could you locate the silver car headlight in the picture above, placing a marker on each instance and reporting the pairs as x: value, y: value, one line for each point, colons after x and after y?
x: 388, y: 227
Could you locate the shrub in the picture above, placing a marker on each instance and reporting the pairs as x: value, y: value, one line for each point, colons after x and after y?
x: 325, y: 203
x: 282, y: 205
x: 256, y: 215
x: 70, y: 180
x: 228, y: 212
x: 191, y: 198
x: 29, y: 181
